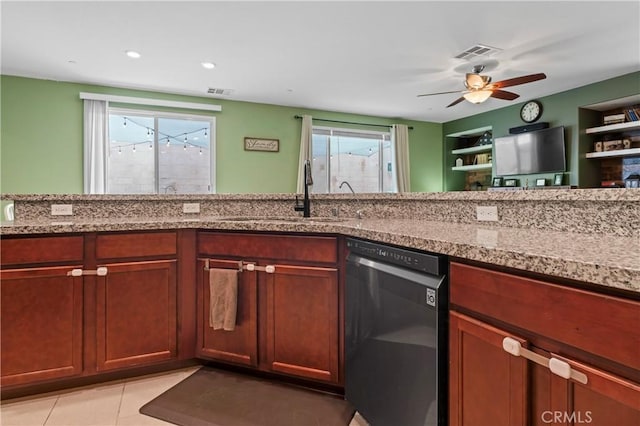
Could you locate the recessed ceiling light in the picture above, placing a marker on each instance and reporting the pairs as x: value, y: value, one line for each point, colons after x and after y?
x: 132, y: 54
x: 209, y: 65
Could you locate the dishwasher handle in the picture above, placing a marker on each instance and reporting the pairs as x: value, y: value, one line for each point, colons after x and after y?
x: 421, y: 278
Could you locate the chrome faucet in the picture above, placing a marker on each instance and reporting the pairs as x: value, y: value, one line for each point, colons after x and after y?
x: 305, y: 207
x: 347, y: 183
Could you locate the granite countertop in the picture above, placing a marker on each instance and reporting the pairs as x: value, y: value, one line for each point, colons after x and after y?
x: 576, y: 256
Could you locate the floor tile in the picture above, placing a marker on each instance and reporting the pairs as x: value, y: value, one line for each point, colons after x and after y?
x: 27, y: 411
x: 141, y: 420
x: 96, y: 406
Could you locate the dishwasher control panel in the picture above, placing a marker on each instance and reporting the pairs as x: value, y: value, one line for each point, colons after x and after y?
x: 430, y: 263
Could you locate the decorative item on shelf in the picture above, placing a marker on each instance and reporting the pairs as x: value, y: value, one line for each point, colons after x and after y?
x: 626, y: 143
x: 511, y: 182
x: 485, y: 139
x: 481, y: 159
x: 459, y: 162
x: 597, y: 147
x: 261, y: 144
x: 497, y: 181
x: 557, y: 179
x: 612, y: 145
x: 632, y: 181
x: 541, y: 182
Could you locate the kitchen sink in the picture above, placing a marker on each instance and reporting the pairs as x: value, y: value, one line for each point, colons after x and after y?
x: 293, y: 219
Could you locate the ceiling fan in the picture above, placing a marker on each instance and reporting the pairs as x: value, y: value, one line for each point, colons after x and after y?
x: 480, y: 88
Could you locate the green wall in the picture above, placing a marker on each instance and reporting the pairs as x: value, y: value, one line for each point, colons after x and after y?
x: 560, y: 109
x: 41, y: 140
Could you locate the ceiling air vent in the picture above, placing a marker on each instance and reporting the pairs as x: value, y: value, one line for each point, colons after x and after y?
x: 478, y: 51
x: 218, y: 92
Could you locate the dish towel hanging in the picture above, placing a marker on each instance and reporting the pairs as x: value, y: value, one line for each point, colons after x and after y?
x: 223, y: 299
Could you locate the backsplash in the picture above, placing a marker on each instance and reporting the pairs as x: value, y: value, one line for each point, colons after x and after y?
x: 600, y: 211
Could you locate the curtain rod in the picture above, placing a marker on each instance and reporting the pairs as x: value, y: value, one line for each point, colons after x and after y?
x: 350, y: 122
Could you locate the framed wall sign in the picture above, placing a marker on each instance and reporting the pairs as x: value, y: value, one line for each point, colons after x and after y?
x: 261, y: 144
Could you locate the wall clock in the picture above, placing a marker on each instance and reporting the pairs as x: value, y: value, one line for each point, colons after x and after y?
x: 531, y: 111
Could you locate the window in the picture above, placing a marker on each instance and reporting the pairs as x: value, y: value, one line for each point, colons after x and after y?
x: 151, y: 153
x: 361, y: 158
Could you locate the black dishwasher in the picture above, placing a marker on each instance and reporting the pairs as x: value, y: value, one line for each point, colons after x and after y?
x: 396, y: 365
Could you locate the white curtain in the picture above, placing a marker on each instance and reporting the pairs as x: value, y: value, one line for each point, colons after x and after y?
x: 95, y: 146
x: 305, y: 150
x: 401, y: 145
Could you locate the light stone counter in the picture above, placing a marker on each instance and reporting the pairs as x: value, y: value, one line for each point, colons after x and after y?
x: 590, y: 235
x: 602, y: 259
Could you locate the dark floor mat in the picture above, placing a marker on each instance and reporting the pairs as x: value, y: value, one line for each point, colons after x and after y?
x: 211, y: 397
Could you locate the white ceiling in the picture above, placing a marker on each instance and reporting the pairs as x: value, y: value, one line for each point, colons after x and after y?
x: 361, y: 57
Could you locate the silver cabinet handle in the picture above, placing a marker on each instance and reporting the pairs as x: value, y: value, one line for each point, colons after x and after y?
x: 556, y: 366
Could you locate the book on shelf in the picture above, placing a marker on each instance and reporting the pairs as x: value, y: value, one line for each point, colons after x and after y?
x: 632, y: 114
x: 614, y: 118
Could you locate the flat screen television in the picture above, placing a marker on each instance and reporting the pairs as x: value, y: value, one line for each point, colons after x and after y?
x: 542, y: 151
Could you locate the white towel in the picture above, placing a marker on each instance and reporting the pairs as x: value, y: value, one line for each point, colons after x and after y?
x: 223, y: 298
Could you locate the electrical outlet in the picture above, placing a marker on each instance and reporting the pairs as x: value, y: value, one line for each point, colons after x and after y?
x: 191, y: 208
x: 487, y: 213
x: 61, y: 209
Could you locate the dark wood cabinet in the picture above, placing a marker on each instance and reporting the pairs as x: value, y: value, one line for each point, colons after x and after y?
x: 302, y: 321
x: 288, y: 319
x: 41, y: 309
x: 239, y: 346
x: 117, y: 309
x: 136, y: 301
x: 487, y: 386
x: 41, y: 329
x: 136, y: 314
x: 578, y: 356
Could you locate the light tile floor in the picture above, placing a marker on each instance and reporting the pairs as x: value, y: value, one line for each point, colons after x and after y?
x: 107, y: 404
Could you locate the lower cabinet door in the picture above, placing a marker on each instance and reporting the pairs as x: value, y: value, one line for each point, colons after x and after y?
x: 302, y: 322
x: 487, y: 386
x: 136, y: 314
x: 605, y: 399
x: 41, y: 324
x: 240, y: 345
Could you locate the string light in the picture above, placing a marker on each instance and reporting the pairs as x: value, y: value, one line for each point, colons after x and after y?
x: 151, y: 132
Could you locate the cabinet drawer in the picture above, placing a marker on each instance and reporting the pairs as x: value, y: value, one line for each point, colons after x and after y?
x: 603, y: 325
x: 132, y: 245
x: 16, y: 251
x: 289, y: 247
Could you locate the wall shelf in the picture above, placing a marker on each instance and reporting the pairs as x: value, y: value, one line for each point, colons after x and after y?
x: 614, y: 153
x: 473, y: 149
x: 472, y: 167
x: 629, y: 125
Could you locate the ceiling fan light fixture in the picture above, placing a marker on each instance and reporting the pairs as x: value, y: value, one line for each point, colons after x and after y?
x: 477, y: 96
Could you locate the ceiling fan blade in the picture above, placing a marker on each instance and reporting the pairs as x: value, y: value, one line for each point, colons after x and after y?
x: 503, y: 94
x: 440, y: 93
x: 518, y: 80
x: 457, y: 101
